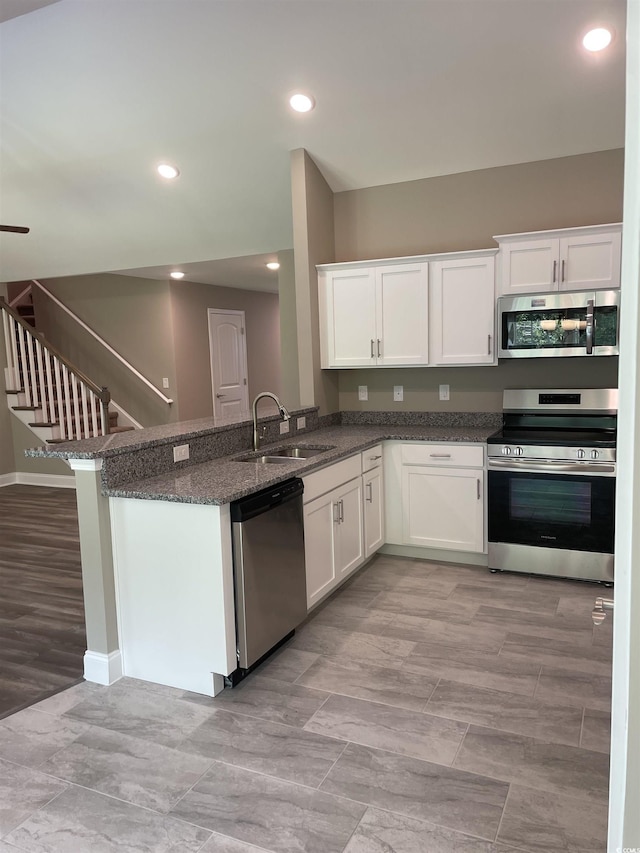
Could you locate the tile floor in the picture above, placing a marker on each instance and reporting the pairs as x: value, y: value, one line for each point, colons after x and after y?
x: 422, y: 709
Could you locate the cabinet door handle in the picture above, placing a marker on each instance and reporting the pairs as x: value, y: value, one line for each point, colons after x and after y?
x: 440, y: 455
x: 372, y: 352
x: 220, y: 395
x: 478, y: 482
x: 369, y: 497
x: 488, y: 344
x: 379, y: 353
x: 341, y: 516
x: 562, y: 273
x: 555, y: 270
x: 373, y: 458
x: 336, y: 512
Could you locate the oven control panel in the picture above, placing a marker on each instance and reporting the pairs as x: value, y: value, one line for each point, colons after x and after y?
x: 532, y: 451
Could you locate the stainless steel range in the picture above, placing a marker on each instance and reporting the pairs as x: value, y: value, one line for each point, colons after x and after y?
x: 551, y: 484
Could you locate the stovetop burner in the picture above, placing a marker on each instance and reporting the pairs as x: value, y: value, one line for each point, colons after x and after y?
x: 558, y: 437
x: 557, y: 424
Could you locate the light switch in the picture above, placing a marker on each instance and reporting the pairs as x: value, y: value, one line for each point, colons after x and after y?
x: 363, y: 392
x: 398, y: 393
x: 301, y: 422
x: 165, y: 381
x: 444, y: 392
x: 284, y: 427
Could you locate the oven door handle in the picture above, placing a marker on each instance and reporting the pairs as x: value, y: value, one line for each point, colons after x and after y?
x: 561, y: 467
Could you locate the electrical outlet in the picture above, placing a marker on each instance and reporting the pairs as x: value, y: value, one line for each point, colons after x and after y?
x: 363, y: 392
x: 181, y: 453
x: 444, y: 392
x: 398, y: 393
x: 301, y: 423
x: 284, y: 427
x: 165, y: 381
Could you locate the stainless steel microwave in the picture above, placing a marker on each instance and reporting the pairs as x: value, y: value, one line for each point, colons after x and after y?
x: 547, y: 325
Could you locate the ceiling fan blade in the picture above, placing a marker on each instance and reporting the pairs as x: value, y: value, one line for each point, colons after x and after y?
x: 17, y: 229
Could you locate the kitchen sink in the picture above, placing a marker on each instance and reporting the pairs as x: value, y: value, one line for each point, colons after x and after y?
x: 285, y: 454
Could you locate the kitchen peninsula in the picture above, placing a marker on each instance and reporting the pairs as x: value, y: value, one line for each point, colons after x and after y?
x: 156, y: 535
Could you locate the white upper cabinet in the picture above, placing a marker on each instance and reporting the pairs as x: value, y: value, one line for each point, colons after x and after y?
x: 462, y: 309
x: 348, y: 315
x: 402, y: 308
x: 569, y: 259
x: 374, y: 315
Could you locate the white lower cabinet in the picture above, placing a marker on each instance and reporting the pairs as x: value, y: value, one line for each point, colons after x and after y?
x: 434, y: 496
x: 343, y: 520
x: 443, y: 507
x: 373, y: 500
x: 319, y: 548
x: 333, y: 526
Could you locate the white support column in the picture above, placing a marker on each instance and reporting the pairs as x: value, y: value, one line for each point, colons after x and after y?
x: 102, y: 660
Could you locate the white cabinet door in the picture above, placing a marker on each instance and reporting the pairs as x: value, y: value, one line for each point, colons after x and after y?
x: 529, y: 266
x: 443, y: 508
x: 462, y: 315
x: 591, y: 261
x: 567, y: 259
x: 374, y: 316
x: 402, y: 307
x: 349, y: 541
x: 348, y: 318
x: 373, y: 495
x: 320, y: 525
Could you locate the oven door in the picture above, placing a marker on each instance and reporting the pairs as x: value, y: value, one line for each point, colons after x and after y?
x: 552, y: 508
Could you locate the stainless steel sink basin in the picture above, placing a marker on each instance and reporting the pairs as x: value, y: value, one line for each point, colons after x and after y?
x: 285, y: 454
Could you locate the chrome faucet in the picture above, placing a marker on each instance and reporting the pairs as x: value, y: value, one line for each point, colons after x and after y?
x: 284, y: 414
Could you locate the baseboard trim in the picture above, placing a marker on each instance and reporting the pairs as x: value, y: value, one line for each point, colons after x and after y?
x: 101, y: 668
x: 438, y: 555
x: 56, y: 481
x: 7, y: 480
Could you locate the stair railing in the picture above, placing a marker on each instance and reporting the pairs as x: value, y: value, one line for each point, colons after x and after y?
x: 50, y: 384
x: 108, y: 347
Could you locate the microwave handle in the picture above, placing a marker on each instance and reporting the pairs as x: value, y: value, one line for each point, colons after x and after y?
x: 589, y: 329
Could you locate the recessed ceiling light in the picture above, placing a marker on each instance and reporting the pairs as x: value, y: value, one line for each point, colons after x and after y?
x: 273, y: 265
x: 597, y: 39
x: 301, y: 103
x: 168, y: 171
x: 176, y: 274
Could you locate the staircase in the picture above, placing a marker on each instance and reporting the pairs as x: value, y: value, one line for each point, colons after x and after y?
x: 44, y: 390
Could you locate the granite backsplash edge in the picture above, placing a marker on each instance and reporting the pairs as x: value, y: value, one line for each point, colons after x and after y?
x: 158, y: 459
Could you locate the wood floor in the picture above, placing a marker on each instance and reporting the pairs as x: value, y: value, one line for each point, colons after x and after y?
x: 42, y: 633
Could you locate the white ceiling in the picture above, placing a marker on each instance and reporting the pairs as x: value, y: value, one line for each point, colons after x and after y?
x: 96, y: 92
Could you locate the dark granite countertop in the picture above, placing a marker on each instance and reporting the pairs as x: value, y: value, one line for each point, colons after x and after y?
x: 222, y: 480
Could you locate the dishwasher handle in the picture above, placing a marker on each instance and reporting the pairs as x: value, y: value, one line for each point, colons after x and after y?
x: 264, y: 500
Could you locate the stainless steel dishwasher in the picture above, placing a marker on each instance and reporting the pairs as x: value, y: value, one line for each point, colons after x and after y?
x: 269, y: 570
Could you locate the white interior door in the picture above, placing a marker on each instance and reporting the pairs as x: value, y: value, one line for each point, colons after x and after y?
x: 228, y: 353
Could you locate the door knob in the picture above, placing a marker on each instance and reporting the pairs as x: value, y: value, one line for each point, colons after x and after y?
x: 220, y: 395
x: 598, y: 613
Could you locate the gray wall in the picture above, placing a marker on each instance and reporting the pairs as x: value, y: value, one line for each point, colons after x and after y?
x: 23, y: 439
x: 189, y: 304
x: 133, y: 315
x: 313, y: 243
x: 464, y: 211
x: 290, y: 365
x: 456, y: 212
